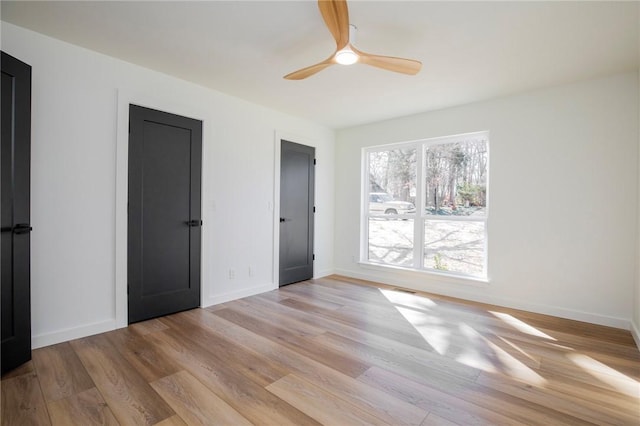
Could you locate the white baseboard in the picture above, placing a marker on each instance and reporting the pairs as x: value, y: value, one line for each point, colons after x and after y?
x: 635, y: 332
x: 65, y: 335
x: 555, y: 311
x: 238, y: 294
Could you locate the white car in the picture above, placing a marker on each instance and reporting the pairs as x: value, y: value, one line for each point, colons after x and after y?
x: 381, y: 202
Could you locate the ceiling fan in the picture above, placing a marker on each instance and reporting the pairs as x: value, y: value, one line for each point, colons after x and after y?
x: 336, y: 17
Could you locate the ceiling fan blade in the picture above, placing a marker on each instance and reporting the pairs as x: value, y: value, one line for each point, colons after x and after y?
x: 336, y: 16
x: 311, y: 70
x: 390, y: 63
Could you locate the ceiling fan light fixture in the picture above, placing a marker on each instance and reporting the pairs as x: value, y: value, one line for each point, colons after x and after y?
x: 336, y: 18
x: 346, y: 56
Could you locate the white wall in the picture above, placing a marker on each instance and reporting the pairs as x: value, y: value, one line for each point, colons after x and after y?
x: 76, y: 94
x: 563, y: 188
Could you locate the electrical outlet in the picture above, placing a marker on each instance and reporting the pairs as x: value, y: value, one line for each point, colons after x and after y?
x: 250, y: 271
x: 232, y: 274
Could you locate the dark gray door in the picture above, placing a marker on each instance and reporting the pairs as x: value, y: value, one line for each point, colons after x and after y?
x: 15, y: 212
x: 165, y: 162
x: 297, y: 181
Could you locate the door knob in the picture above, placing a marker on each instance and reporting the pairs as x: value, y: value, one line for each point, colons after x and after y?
x: 22, y: 228
x: 282, y: 219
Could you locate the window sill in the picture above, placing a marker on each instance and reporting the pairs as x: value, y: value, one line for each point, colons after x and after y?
x: 441, y: 277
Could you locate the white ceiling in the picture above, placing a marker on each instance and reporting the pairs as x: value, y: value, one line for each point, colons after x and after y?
x: 470, y: 51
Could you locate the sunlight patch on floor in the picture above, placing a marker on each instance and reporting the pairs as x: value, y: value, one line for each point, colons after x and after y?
x: 517, y: 348
x: 559, y: 347
x: 606, y: 374
x: 473, y: 357
x: 438, y: 337
x: 410, y: 300
x: 521, y: 325
x: 516, y: 369
x: 505, y: 362
x: 477, y: 351
x: 474, y: 351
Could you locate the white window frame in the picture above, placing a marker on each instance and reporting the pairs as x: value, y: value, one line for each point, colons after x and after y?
x: 420, y: 217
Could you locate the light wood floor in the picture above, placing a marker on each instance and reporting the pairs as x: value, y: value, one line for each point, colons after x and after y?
x: 335, y: 352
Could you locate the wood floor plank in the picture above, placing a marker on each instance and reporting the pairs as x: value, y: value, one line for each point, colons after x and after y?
x: 433, y: 400
x: 367, y: 398
x: 22, y: 401
x: 576, y: 329
x: 316, y: 299
x: 60, y: 372
x: 250, y: 399
x: 445, y: 328
x: 131, y: 399
x: 253, y: 366
x: 150, y: 363
x: 535, y: 349
x: 320, y: 404
x: 309, y: 293
x: 435, y: 420
x: 368, y: 294
x: 561, y: 402
x: 146, y: 327
x: 26, y: 368
x: 195, y: 403
x: 341, y: 362
x: 385, y: 357
x: 304, y: 297
x: 86, y: 408
x: 399, y: 330
x: 453, y: 363
x: 590, y: 374
x: 302, y: 329
x: 560, y: 353
x: 172, y: 421
x: 590, y: 394
x: 498, y: 402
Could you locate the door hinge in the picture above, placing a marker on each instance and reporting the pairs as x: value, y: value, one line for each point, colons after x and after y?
x: 313, y: 256
x: 128, y: 288
x: 314, y: 209
x: 314, y: 161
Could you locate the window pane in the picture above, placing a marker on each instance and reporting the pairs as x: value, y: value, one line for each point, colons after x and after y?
x: 391, y: 241
x: 456, y: 178
x: 392, y: 181
x: 455, y: 246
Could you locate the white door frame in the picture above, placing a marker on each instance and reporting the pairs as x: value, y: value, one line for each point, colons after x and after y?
x: 126, y: 97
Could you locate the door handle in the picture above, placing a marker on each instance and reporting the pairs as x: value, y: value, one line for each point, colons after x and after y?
x: 194, y: 223
x: 22, y: 228
x: 282, y: 219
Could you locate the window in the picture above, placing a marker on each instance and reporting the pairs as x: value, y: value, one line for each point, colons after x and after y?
x: 426, y: 205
